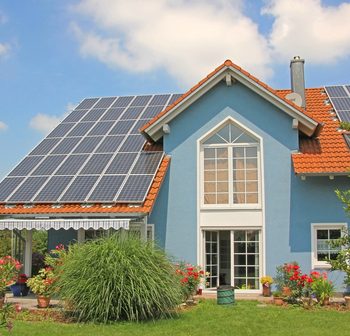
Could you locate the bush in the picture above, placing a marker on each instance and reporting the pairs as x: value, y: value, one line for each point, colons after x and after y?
x: 118, y: 278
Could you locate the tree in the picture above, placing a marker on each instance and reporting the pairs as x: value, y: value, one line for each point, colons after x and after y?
x: 342, y: 262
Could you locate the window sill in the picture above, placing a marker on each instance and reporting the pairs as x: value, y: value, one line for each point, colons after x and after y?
x: 324, y: 266
x: 228, y: 208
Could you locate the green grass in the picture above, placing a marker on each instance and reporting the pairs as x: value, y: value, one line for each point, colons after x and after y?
x: 245, y: 318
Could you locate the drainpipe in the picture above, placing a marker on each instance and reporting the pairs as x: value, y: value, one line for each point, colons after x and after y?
x: 297, y: 78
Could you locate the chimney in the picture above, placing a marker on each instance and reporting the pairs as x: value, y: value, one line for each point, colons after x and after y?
x: 297, y: 77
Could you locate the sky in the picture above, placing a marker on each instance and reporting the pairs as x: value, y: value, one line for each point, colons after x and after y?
x: 53, y: 54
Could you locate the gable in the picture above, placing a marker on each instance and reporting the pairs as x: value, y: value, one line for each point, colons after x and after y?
x: 231, y: 74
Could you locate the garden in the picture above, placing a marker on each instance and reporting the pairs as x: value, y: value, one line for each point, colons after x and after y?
x: 122, y: 285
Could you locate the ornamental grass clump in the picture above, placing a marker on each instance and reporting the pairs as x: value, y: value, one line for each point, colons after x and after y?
x: 118, y: 278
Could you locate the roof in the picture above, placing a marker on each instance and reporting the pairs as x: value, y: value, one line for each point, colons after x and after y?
x: 125, y: 208
x: 307, y: 123
x: 328, y: 153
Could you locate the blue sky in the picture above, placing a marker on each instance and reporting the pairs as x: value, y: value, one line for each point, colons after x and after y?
x: 55, y: 53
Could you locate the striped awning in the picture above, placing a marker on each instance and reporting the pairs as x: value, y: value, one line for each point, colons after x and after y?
x: 66, y: 224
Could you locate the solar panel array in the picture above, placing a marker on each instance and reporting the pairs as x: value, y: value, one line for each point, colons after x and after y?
x: 94, y: 155
x: 340, y: 98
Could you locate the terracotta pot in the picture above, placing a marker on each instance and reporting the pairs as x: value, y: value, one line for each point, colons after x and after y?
x: 325, y: 302
x: 286, y: 291
x: 278, y: 301
x: 266, y: 290
x: 347, y: 301
x: 43, y: 301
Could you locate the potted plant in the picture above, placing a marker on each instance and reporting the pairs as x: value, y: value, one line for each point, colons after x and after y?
x: 43, y: 286
x: 277, y: 298
x: 322, y: 288
x: 266, y: 282
x: 9, y: 268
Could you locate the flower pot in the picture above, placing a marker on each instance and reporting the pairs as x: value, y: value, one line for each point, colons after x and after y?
x: 278, y: 301
x: 325, y: 302
x: 286, y: 291
x: 16, y: 289
x: 347, y: 301
x: 24, y: 289
x: 266, y: 290
x: 43, y: 301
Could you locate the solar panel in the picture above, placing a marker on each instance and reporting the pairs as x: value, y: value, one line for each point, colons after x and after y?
x: 107, y: 188
x: 53, y: 189
x: 101, y: 128
x: 49, y: 165
x: 159, y: 100
x: 123, y: 101
x: 151, y: 111
x: 113, y: 114
x: 141, y: 100
x: 138, y: 125
x: 135, y: 189
x: 79, y: 189
x: 26, y: 166
x: 75, y: 116
x: 344, y: 115
x: 132, y: 112
x: 105, y: 102
x: 87, y: 103
x: 133, y: 143
x: 347, y: 139
x: 45, y: 146
x: 110, y: 144
x: 340, y: 99
x: 121, y: 163
x: 87, y: 145
x: 95, y: 153
x: 96, y: 164
x: 72, y: 165
x: 94, y: 114
x: 8, y: 185
x: 122, y: 127
x: 81, y: 129
x: 147, y: 163
x: 174, y: 98
x: 336, y: 91
x: 61, y: 130
x: 28, y: 189
x: 66, y: 146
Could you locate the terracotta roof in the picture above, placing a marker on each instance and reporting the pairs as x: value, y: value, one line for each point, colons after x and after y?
x: 146, y: 207
x: 226, y: 64
x: 328, y: 153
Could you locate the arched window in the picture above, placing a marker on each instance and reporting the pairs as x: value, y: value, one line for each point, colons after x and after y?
x: 230, y: 167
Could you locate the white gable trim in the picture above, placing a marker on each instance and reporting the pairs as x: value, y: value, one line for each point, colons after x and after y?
x: 306, y: 124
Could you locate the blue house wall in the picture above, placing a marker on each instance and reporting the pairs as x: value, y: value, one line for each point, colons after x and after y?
x: 290, y: 204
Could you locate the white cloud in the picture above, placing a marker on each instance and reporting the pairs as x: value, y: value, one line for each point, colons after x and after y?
x: 318, y: 33
x: 186, y: 37
x: 3, y: 126
x: 45, y: 123
x: 4, y: 49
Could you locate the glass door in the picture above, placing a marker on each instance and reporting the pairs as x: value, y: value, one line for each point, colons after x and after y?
x: 212, y: 258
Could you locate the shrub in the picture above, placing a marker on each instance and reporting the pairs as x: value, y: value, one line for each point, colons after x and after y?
x: 43, y: 284
x: 118, y: 278
x: 322, y: 287
x: 9, y: 269
x: 190, y: 278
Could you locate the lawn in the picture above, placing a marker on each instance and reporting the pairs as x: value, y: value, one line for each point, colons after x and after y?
x: 244, y: 318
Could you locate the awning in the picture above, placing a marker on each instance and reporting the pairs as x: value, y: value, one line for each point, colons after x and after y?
x: 66, y: 224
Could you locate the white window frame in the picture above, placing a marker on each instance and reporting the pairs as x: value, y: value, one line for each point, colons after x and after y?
x: 322, y: 226
x: 230, y: 205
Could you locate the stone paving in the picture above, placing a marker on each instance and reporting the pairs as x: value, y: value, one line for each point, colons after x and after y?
x: 28, y: 302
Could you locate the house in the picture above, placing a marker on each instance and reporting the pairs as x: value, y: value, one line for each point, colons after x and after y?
x: 232, y: 175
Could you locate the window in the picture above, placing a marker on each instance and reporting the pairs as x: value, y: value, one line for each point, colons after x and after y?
x: 322, y: 234
x: 135, y: 228
x: 230, y: 168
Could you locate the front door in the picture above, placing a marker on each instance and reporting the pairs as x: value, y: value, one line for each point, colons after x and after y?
x: 233, y: 257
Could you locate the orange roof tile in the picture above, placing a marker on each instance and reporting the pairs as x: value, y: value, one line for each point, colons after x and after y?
x: 226, y: 64
x: 328, y: 153
x: 146, y: 207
